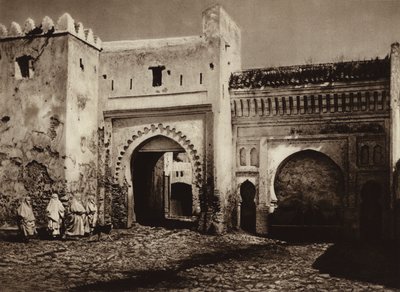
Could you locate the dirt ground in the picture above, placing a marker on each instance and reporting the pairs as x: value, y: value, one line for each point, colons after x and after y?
x: 146, y: 258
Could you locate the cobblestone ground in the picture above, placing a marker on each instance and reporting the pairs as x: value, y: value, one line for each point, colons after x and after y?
x: 145, y: 258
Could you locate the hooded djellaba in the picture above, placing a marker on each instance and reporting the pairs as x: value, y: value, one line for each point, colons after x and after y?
x: 76, y: 218
x: 55, y: 214
x: 91, y: 214
x: 26, y: 219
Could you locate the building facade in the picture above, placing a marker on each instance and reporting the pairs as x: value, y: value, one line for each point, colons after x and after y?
x: 172, y: 130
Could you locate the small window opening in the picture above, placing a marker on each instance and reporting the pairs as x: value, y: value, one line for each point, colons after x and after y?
x: 169, y: 72
x: 157, y: 75
x: 176, y: 173
x: 227, y: 46
x: 181, y: 173
x: 253, y: 157
x: 24, y: 67
x: 130, y: 86
x: 112, y: 84
x: 81, y: 64
x: 201, y: 78
x: 181, y: 80
x: 242, y: 157
x: 378, y: 154
x: 364, y: 155
x: 211, y: 66
x: 105, y: 76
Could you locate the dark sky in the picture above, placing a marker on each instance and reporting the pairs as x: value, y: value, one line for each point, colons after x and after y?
x: 274, y: 32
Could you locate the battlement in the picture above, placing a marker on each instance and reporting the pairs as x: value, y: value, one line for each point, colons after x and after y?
x: 64, y: 24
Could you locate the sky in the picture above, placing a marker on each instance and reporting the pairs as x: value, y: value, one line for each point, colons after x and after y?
x: 274, y: 32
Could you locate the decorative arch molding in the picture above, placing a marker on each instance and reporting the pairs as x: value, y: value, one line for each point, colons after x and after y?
x: 122, y: 165
x: 251, y: 179
x: 317, y: 197
x: 282, y: 160
x: 249, y: 182
x: 122, y: 169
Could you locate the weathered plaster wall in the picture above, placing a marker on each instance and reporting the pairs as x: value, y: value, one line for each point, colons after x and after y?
x: 395, y: 137
x: 122, y: 62
x: 32, y: 114
x: 82, y: 101
x: 224, y: 37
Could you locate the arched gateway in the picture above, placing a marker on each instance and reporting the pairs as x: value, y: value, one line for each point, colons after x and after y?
x: 162, y: 173
x: 174, y: 88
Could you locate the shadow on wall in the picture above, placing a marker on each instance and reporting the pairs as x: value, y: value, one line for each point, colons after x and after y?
x: 361, y: 261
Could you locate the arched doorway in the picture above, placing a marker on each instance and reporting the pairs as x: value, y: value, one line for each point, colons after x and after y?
x: 248, y: 207
x: 181, y: 199
x: 309, y: 187
x: 371, y: 211
x: 161, y: 171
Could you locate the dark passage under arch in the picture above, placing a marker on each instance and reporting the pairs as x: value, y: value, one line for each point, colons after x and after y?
x: 157, y: 199
x: 148, y: 185
x: 248, y: 207
x: 371, y: 211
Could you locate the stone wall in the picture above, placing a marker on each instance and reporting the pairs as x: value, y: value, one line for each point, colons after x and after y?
x: 224, y: 37
x: 348, y: 123
x: 40, y: 87
x: 33, y: 115
x: 394, y: 137
x: 82, y: 101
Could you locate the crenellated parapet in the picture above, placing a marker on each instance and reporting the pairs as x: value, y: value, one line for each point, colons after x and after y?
x: 47, y: 27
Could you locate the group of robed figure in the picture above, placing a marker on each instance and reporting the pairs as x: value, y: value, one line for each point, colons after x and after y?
x: 77, y: 220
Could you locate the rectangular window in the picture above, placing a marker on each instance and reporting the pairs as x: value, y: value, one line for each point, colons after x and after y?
x: 157, y: 75
x: 24, y: 67
x: 201, y: 78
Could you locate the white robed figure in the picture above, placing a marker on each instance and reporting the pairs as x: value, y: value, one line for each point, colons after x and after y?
x: 91, y: 214
x: 76, y: 222
x: 26, y: 218
x: 55, y: 214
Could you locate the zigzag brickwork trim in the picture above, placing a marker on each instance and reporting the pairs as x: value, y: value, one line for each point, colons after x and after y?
x: 169, y: 132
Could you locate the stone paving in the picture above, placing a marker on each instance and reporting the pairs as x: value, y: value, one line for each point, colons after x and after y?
x: 158, y: 259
